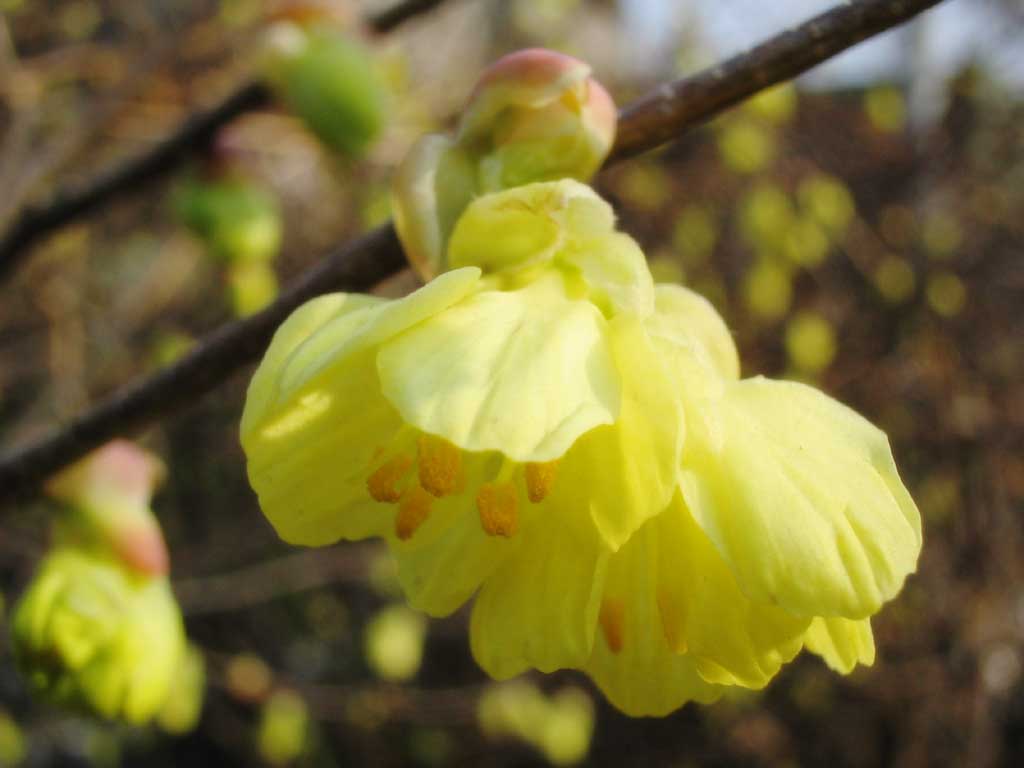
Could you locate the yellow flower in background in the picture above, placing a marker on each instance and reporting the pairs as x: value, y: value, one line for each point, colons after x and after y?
x: 544, y: 427
x: 98, y: 628
x: 534, y: 115
x: 90, y: 633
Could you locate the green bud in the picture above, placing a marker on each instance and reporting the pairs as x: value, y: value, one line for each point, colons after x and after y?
x: 329, y: 80
x: 91, y: 634
x: 238, y: 221
x: 534, y: 116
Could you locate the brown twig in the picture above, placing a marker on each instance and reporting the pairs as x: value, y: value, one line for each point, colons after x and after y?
x: 664, y: 114
x: 36, y: 221
x: 296, y: 572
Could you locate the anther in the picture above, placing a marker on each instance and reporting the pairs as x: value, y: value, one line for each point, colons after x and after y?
x: 496, y: 503
x: 440, y: 465
x: 413, y: 511
x: 612, y: 619
x: 539, y: 479
x: 383, y: 481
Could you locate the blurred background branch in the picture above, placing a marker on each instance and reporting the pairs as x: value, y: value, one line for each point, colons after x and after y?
x: 666, y: 113
x: 35, y: 221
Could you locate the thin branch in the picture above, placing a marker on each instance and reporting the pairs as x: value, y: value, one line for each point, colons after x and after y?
x: 295, y: 572
x: 196, y: 133
x: 36, y: 221
x: 674, y: 107
x: 664, y: 114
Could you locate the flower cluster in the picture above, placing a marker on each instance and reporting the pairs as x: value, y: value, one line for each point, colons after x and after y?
x: 98, y: 628
x: 545, y: 428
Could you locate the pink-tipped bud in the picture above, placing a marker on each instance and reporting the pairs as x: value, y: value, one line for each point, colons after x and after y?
x: 534, y: 115
x: 108, y: 493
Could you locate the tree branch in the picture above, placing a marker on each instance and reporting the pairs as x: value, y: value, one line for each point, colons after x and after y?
x: 664, y: 114
x: 195, y: 134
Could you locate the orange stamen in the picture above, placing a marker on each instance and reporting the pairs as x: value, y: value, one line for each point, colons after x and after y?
x: 497, y: 503
x: 540, y: 476
x: 413, y: 511
x: 440, y: 465
x: 383, y: 482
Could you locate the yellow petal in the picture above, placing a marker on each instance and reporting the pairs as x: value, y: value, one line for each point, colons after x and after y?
x: 540, y: 608
x: 310, y: 464
x: 842, y: 643
x: 802, y: 498
x: 299, y: 326
x: 431, y: 187
x: 524, y: 373
x: 686, y: 318
x: 614, y: 269
x: 632, y: 661
x: 626, y: 472
x: 315, y: 421
x: 562, y: 223
x: 733, y: 640
x: 349, y: 332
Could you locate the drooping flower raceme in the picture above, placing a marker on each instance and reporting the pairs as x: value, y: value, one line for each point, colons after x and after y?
x: 545, y: 428
x: 98, y: 628
x: 534, y: 115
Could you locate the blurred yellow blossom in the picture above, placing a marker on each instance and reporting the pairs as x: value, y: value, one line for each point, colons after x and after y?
x: 90, y: 633
x: 560, y: 726
x: 284, y: 727
x: 946, y: 293
x: 393, y: 642
x: 768, y: 289
x: 98, y: 628
x: 810, y: 342
x: 894, y: 279
x: 745, y: 146
x: 886, y: 108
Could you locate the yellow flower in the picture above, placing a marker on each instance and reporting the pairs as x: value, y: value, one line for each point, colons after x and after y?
x: 534, y: 115
x: 94, y: 634
x: 546, y: 428
x: 98, y: 628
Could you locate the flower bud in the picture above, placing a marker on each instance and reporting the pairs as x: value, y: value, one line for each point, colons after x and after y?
x: 91, y: 634
x: 330, y: 82
x: 238, y: 222
x: 534, y: 115
x: 108, y: 494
